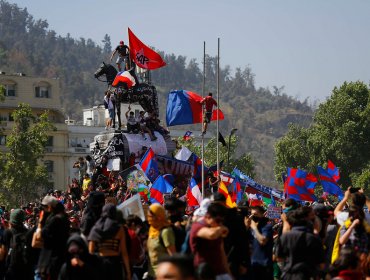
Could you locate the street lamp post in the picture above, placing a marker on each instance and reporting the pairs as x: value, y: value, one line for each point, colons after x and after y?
x: 228, y: 148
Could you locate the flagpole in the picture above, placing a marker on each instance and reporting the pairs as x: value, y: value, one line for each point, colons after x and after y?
x: 203, y: 93
x: 218, y: 105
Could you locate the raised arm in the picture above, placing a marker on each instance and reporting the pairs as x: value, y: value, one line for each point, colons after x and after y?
x: 343, y: 202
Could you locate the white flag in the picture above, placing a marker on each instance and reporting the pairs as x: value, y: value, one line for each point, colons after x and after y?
x: 184, y: 154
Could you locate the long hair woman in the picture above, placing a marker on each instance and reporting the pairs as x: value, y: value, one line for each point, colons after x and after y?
x: 107, y: 238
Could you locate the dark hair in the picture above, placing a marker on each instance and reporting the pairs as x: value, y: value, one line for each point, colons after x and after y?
x: 210, y: 94
x: 173, y: 204
x: 183, y: 263
x: 358, y: 199
x: 88, y: 158
x: 219, y: 197
x: 133, y: 219
x: 216, y: 210
x: 348, y: 259
x: 299, y: 216
x: 290, y: 202
x: 356, y: 212
x: 260, y: 209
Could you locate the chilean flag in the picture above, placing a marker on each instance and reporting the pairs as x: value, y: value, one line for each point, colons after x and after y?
x: 149, y: 165
x: 124, y: 77
x: 158, y: 189
x: 184, y: 107
x: 187, y: 135
x: 143, y: 56
x: 193, y: 193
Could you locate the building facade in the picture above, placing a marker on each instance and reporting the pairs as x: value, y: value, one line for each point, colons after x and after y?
x: 41, y: 94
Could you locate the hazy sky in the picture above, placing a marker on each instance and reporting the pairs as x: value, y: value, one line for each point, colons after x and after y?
x: 307, y: 46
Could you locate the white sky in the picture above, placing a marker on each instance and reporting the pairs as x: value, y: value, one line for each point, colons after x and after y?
x: 308, y: 46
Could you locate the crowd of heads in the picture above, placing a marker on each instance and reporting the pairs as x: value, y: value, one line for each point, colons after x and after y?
x: 320, y: 240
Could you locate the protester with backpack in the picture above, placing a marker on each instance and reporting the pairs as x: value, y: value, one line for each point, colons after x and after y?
x: 159, y: 229
x: 15, y: 247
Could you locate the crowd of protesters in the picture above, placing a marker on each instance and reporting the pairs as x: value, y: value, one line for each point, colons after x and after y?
x: 80, y: 234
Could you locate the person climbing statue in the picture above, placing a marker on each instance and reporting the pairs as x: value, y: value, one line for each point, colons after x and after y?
x: 123, y: 56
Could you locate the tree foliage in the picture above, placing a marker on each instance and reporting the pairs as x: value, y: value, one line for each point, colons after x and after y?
x: 340, y: 132
x: 243, y: 162
x: 23, y: 174
x: 2, y: 93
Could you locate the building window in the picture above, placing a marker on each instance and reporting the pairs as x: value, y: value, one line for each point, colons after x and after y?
x: 50, y: 141
x: 3, y: 118
x: 10, y: 117
x: 49, y: 165
x: 10, y: 90
x: 42, y: 92
x: 2, y: 140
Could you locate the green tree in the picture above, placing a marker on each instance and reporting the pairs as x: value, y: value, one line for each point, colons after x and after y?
x: 107, y: 47
x: 244, y: 162
x: 340, y: 132
x: 23, y: 174
x: 2, y: 93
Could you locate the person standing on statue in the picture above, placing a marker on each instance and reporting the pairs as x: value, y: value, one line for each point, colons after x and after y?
x: 208, y: 103
x: 123, y: 56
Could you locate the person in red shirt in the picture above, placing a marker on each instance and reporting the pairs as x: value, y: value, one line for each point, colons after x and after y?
x: 207, y: 244
x: 208, y: 103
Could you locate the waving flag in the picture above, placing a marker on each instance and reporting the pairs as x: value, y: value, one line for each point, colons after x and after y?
x: 328, y: 183
x: 184, y: 107
x: 144, y: 56
x: 194, y: 194
x: 333, y: 171
x: 223, y: 190
x: 184, y: 154
x: 297, y: 185
x: 197, y: 173
x: 144, y: 192
x: 187, y: 135
x: 237, y: 191
x: 149, y: 165
x: 255, y: 199
x: 158, y: 189
x: 169, y: 178
x: 124, y: 77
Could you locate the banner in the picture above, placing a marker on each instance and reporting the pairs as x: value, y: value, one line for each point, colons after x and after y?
x: 136, y: 142
x: 251, y: 183
x: 133, y: 177
x: 132, y: 206
x: 173, y: 166
x: 273, y: 212
x: 115, y: 147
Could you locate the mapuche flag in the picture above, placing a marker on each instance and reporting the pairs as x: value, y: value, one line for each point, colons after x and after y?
x: 144, y: 56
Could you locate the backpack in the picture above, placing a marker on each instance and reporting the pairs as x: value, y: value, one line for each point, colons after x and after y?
x: 19, y: 253
x: 180, y: 235
x: 105, y: 104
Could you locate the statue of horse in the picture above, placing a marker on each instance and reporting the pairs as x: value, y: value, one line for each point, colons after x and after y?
x: 143, y: 93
